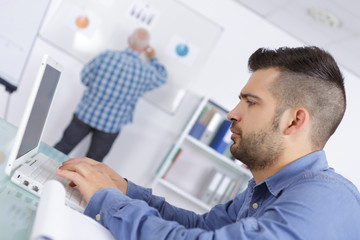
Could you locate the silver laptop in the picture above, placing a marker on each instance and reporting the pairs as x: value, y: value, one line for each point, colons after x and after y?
x: 28, y: 168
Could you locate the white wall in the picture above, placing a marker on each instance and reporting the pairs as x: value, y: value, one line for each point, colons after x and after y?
x: 226, y: 72
x: 142, y: 145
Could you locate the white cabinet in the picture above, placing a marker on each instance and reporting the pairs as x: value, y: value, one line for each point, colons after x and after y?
x: 199, y: 168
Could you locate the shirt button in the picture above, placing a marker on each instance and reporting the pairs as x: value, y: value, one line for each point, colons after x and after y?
x: 255, y: 206
x: 97, y: 217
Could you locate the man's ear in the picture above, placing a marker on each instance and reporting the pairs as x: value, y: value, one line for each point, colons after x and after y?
x: 298, y: 118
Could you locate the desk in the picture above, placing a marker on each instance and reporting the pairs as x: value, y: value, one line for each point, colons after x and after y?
x: 18, y: 207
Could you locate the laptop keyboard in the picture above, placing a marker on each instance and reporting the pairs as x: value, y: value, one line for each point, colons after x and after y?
x: 40, y: 169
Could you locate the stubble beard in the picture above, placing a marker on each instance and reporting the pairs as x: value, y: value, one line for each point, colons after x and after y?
x: 258, y: 150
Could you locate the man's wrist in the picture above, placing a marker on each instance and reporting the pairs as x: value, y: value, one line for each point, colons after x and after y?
x: 122, y: 185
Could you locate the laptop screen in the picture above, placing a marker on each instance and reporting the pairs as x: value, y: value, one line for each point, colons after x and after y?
x: 39, y: 110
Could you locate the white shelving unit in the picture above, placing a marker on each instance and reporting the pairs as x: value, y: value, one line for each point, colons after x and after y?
x: 224, y: 160
x: 184, y: 194
x: 204, y: 157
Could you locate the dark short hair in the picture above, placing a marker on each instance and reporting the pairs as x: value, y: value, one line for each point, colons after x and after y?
x: 310, y: 78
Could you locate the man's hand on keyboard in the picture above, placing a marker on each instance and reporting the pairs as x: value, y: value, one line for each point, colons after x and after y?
x: 91, y: 176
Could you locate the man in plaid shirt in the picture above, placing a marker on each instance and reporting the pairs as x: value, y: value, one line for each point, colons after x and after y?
x: 115, y: 80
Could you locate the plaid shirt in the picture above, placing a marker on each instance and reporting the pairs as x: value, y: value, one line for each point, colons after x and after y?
x: 115, y: 80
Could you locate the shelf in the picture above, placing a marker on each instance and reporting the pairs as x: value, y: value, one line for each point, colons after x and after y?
x: 219, y: 157
x: 208, y: 158
x: 184, y: 194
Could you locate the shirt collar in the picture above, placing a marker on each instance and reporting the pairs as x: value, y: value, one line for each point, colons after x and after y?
x: 132, y: 52
x: 277, y: 182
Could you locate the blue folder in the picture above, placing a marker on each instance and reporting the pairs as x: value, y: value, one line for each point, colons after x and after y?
x: 218, y: 142
x: 197, y: 130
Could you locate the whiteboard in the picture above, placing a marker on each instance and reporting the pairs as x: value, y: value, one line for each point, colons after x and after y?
x: 20, y: 21
x: 182, y: 38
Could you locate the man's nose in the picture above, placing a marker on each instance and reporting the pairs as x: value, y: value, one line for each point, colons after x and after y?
x: 235, y: 114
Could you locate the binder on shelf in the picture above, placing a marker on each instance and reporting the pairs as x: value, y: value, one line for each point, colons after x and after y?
x: 215, y: 178
x: 229, y: 191
x: 206, y: 120
x: 176, y: 156
x: 197, y: 130
x: 208, y: 116
x: 220, y: 191
x: 199, y: 126
x: 211, y: 128
x: 222, y: 138
x: 164, y: 160
x: 236, y: 189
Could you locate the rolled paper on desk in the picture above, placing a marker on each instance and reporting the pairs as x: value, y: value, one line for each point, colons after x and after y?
x: 49, y: 219
x: 54, y: 220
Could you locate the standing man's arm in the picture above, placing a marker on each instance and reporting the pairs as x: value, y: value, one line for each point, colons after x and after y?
x: 159, y: 75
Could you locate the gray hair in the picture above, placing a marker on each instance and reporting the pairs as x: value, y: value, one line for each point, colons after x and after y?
x: 140, y: 38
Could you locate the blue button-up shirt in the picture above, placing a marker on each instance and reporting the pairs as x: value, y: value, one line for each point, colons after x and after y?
x: 304, y: 200
x: 115, y: 80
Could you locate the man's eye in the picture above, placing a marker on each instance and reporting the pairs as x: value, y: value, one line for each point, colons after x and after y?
x: 250, y: 103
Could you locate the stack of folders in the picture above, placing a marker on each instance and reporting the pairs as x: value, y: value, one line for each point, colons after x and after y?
x: 199, y: 127
x: 213, y: 129
x: 220, y: 188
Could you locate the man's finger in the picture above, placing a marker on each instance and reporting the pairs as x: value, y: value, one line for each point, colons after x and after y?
x: 74, y: 177
x: 79, y: 160
x: 84, y: 185
x: 82, y: 168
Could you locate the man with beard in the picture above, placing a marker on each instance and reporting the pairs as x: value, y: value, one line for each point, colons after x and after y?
x: 289, y: 108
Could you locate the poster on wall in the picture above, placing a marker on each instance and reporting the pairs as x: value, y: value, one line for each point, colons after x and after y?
x: 144, y: 14
x: 182, y: 50
x: 182, y: 38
